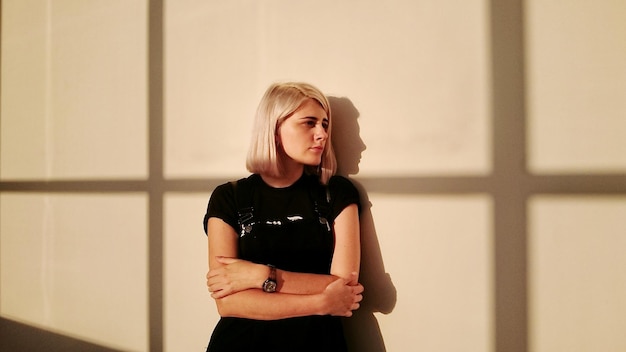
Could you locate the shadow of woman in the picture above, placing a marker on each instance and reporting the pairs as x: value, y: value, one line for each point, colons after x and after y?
x: 362, y: 329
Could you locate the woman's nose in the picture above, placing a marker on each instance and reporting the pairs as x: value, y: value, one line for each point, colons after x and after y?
x: 320, y: 132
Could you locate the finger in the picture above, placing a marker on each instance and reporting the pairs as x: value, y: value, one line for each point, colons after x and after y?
x: 358, y: 289
x: 216, y: 272
x: 219, y: 292
x: 211, y: 286
x: 216, y: 282
x: 346, y: 281
x: 217, y: 295
x: 350, y: 280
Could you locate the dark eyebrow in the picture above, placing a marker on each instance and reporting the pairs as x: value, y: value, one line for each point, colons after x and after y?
x: 314, y: 118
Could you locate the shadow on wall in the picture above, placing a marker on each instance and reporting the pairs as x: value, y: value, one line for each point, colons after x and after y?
x: 18, y: 337
x: 362, y: 329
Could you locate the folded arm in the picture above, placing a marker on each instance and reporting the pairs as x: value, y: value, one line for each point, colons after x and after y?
x: 236, y: 284
x: 338, y: 299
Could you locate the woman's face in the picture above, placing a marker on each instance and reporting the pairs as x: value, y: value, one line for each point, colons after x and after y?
x: 303, y: 135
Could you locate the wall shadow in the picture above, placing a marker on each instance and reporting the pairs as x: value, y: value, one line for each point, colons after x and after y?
x: 362, y: 330
x: 18, y: 337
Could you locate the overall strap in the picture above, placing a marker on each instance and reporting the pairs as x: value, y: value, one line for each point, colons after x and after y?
x: 243, y: 190
x: 243, y: 199
x: 321, y: 201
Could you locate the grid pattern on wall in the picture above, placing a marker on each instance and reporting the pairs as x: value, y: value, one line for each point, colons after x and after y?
x: 510, y: 184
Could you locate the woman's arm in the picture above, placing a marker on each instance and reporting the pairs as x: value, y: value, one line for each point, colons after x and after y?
x: 347, y: 255
x: 237, y: 275
x: 337, y: 298
x: 228, y: 274
x: 234, y: 275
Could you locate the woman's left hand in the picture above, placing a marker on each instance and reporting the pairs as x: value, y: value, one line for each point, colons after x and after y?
x: 235, y: 275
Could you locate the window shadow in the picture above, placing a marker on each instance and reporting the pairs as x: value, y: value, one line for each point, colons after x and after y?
x: 362, y: 330
x: 15, y: 336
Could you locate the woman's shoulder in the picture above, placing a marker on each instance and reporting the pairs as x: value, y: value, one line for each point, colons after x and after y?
x: 222, y: 203
x: 340, y: 182
x: 342, y: 192
x: 343, y: 187
x: 228, y: 189
x: 234, y: 182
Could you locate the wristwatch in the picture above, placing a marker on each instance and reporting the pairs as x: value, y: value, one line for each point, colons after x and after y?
x: 270, y: 284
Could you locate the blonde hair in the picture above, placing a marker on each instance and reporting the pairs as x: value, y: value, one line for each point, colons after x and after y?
x: 278, y: 103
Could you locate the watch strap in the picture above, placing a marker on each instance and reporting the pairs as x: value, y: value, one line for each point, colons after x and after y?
x: 270, y: 285
x: 272, y: 272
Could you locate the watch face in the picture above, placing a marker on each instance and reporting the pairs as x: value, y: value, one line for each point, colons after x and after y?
x: 269, y: 286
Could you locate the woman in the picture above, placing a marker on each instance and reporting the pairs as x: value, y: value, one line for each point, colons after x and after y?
x: 284, y: 247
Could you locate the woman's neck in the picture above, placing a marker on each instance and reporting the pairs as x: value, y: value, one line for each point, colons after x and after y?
x: 288, y: 178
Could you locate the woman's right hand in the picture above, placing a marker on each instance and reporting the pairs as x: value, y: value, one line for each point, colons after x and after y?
x: 342, y: 296
x: 235, y: 275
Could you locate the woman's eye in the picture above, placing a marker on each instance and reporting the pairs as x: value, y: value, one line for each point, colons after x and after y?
x: 313, y: 123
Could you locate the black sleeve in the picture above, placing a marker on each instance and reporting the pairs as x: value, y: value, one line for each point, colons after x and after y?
x: 222, y: 205
x: 342, y: 194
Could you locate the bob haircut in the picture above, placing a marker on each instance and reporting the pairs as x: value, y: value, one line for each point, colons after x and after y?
x: 279, y: 102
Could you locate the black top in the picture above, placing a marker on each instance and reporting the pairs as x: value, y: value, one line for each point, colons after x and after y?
x: 289, y: 233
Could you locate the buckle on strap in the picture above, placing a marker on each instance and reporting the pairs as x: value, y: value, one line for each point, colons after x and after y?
x: 245, y: 220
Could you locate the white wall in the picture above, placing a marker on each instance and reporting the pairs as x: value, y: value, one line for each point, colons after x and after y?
x: 411, y: 83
